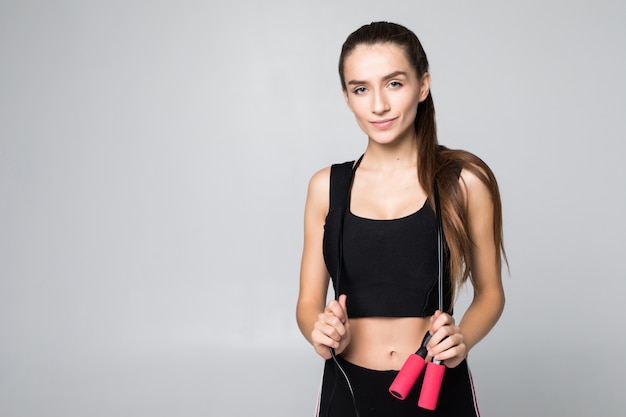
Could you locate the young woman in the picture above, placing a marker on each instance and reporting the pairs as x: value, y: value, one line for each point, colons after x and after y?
x: 370, y: 225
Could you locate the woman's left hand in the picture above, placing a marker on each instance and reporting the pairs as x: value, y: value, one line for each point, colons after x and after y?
x: 446, y: 342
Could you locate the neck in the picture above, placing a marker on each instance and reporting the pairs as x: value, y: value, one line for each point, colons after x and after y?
x: 397, y: 155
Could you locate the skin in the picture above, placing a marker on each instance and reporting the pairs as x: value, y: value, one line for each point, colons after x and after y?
x: 383, y: 91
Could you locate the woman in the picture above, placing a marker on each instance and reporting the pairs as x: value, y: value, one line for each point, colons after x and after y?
x: 373, y: 223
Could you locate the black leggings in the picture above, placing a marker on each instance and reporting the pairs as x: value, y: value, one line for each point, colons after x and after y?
x: 371, y: 390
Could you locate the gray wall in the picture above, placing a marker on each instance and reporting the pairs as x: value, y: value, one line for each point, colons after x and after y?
x: 154, y: 158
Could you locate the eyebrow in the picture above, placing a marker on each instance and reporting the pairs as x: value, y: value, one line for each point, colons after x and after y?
x: 386, y: 77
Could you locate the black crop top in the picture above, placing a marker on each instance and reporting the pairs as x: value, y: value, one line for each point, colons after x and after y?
x: 389, y: 266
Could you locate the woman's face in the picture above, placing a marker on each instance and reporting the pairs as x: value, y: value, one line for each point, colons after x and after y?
x: 383, y: 91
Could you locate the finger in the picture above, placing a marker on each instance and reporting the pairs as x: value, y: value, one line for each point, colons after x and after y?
x: 454, y: 352
x: 439, y: 320
x: 447, y: 341
x: 331, y: 326
x: 335, y: 318
x: 441, y: 332
x: 326, y: 335
x: 436, y: 314
x: 343, y: 298
x: 329, y: 342
x: 322, y: 347
x: 335, y: 309
x: 446, y: 338
x: 434, y: 317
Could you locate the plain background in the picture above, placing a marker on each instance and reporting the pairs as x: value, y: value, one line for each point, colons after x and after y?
x: 154, y: 159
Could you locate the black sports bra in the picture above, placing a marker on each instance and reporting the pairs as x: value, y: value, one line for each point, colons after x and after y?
x: 389, y: 267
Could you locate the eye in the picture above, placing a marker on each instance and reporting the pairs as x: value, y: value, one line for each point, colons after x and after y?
x: 359, y: 90
x: 395, y: 84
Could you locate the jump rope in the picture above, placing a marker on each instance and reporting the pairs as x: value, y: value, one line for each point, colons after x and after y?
x: 415, y: 363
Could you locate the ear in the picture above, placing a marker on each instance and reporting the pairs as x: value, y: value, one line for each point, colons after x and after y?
x: 424, y: 86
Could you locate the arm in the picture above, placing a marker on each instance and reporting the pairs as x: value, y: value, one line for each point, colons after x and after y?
x: 488, y: 302
x: 324, y: 326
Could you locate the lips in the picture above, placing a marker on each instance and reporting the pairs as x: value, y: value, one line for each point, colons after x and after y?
x: 383, y: 124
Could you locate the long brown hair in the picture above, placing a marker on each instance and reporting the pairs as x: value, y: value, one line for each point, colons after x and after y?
x: 436, y: 162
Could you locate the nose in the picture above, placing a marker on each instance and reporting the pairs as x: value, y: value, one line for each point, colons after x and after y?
x: 380, y: 104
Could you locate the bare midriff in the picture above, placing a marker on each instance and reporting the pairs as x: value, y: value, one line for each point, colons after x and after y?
x: 384, y: 343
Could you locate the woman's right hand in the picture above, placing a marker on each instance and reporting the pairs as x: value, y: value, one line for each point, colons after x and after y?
x: 332, y: 328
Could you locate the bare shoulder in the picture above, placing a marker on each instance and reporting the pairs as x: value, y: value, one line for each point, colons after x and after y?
x: 320, y: 179
x: 473, y: 176
x: 318, y: 195
x: 475, y: 181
